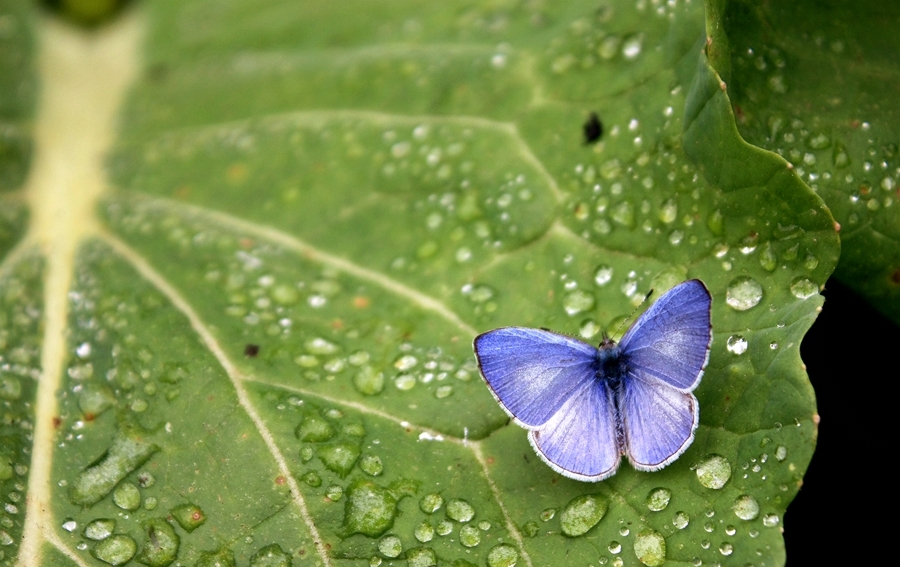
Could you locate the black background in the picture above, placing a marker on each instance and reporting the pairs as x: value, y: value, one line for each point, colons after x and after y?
x: 850, y: 354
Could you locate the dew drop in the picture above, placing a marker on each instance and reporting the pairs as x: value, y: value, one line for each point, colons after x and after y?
x: 803, y: 288
x: 115, y: 550
x: 578, y: 302
x: 714, y: 472
x: 502, y: 555
x: 746, y: 507
x: 161, y: 543
x: 614, y: 547
x: 582, y: 513
x: 424, y: 532
x: 431, y: 503
x: 270, y: 556
x: 334, y: 492
x: 189, y: 516
x: 460, y: 510
x: 319, y: 345
x: 736, y: 344
x: 421, y: 557
x: 781, y: 453
x: 339, y: 457
x: 478, y: 293
x: 405, y: 362
x: 650, y: 548
x: 127, y: 496
x: 623, y: 213
x: 390, y: 546
x: 771, y: 520
x: 368, y: 381
x: 767, y: 258
x: 726, y: 549
x: 370, y: 509
x: 371, y: 465
x: 444, y: 528
x: 681, y: 520
x: 658, y: 499
x: 603, y: 275
x: 588, y: 329
x: 743, y: 293
x: 548, y: 514
x: 405, y: 382
x: 313, y: 479
x: 631, y: 47
x: 469, y: 536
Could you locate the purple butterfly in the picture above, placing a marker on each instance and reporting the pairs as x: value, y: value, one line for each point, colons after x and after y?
x: 586, y: 406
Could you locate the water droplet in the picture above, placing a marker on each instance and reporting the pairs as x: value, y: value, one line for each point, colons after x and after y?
x: 270, y: 556
x: 313, y: 479
x: 714, y: 471
x: 588, y: 329
x: 803, y: 288
x: 469, y: 536
x: 726, y: 549
x: 374, y: 561
x: 444, y: 528
x: 319, y: 345
x: 314, y: 428
x: 371, y: 465
x: 623, y: 213
x: 368, y: 381
x: 767, y: 258
x: 746, y: 507
x: 70, y: 525
x: 668, y: 211
x: 781, y: 453
x: 160, y: 543
x: 390, y: 546
x: 421, y: 557
x: 10, y: 388
x: 460, y: 510
x: 736, y: 344
x: 681, y: 520
x: 334, y: 492
x: 405, y: 362
x: 716, y: 222
x: 502, y: 555
x: 189, y: 516
x: 743, y: 293
x: 658, y: 499
x: 771, y: 520
x: 578, y: 302
x: 631, y: 47
x: 115, y: 550
x: 339, y: 457
x: 624, y: 531
x: 424, y: 532
x: 431, y: 503
x: 603, y: 275
x: 548, y: 514
x: 121, y: 459
x: 650, y: 548
x: 127, y: 496
x: 99, y: 529
x: 531, y: 528
x: 370, y: 509
x: 810, y: 262
x: 614, y: 547
x: 478, y: 293
x: 582, y: 513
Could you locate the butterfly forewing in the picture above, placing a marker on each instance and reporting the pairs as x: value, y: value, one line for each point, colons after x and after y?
x: 670, y: 341
x: 579, y: 441
x: 533, y: 372
x: 659, y: 422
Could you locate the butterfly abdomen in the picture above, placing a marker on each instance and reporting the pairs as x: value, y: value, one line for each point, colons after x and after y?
x: 611, y: 365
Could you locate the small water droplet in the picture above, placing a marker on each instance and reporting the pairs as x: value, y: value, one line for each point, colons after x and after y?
x: 478, y: 293
x: 582, y: 513
x: 714, y: 471
x: 161, y: 543
x: 431, y: 503
x: 371, y: 465
x: 603, y: 275
x: 548, y: 514
x: 681, y: 520
x: 771, y: 520
x: 746, y: 507
x: 578, y: 302
x: 650, y: 548
x: 370, y: 509
x: 736, y: 344
x: 368, y: 381
x: 623, y: 213
x: 631, y: 47
x: 319, y: 345
x: 460, y: 510
x: 743, y: 293
x: 614, y: 547
x: 127, y: 496
x: 668, y: 211
x: 658, y: 499
x: 767, y: 258
x: 115, y: 550
x: 424, y: 532
x: 588, y: 329
x: 469, y: 536
x: 444, y: 528
x: 189, y: 516
x: 781, y: 452
x: 726, y: 549
x: 803, y: 288
x: 334, y: 492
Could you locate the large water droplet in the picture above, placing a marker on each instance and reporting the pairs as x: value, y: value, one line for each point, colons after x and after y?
x: 314, y: 428
x: 390, y: 546
x: 650, y: 548
x: 421, y: 557
x: 339, y: 457
x: 370, y: 509
x: 424, y: 532
x: 460, y: 510
x: 160, y: 543
x: 99, y: 529
x: 115, y: 550
x: 121, y: 459
x: 803, y: 288
x: 658, y: 499
x: 714, y: 471
x: 582, y: 513
x: 736, y: 344
x: 578, y: 302
x: 431, y: 503
x: 503, y: 555
x: 189, y: 516
x: 127, y: 496
x: 743, y: 293
x: 726, y: 549
x: 746, y: 507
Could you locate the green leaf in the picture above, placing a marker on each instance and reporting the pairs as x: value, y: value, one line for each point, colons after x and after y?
x: 256, y: 339
x: 817, y: 82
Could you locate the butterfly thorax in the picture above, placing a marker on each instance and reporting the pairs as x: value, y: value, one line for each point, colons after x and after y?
x: 610, y: 363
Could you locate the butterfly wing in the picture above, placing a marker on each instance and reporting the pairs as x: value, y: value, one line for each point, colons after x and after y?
x: 670, y: 341
x: 579, y: 441
x: 533, y: 372
x: 659, y: 421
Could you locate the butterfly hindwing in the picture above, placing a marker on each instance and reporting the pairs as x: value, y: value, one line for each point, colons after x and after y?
x: 533, y: 372
x: 579, y: 441
x: 659, y: 422
x: 670, y: 341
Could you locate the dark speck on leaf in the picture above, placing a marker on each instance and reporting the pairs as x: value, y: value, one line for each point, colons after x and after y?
x: 593, y: 129
x: 250, y: 351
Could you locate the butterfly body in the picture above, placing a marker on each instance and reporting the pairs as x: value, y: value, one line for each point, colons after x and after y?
x: 587, y: 406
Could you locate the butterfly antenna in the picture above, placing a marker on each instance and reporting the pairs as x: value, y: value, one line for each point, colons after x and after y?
x: 630, y: 317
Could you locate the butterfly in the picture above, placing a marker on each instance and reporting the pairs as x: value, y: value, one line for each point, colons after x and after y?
x: 586, y: 406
